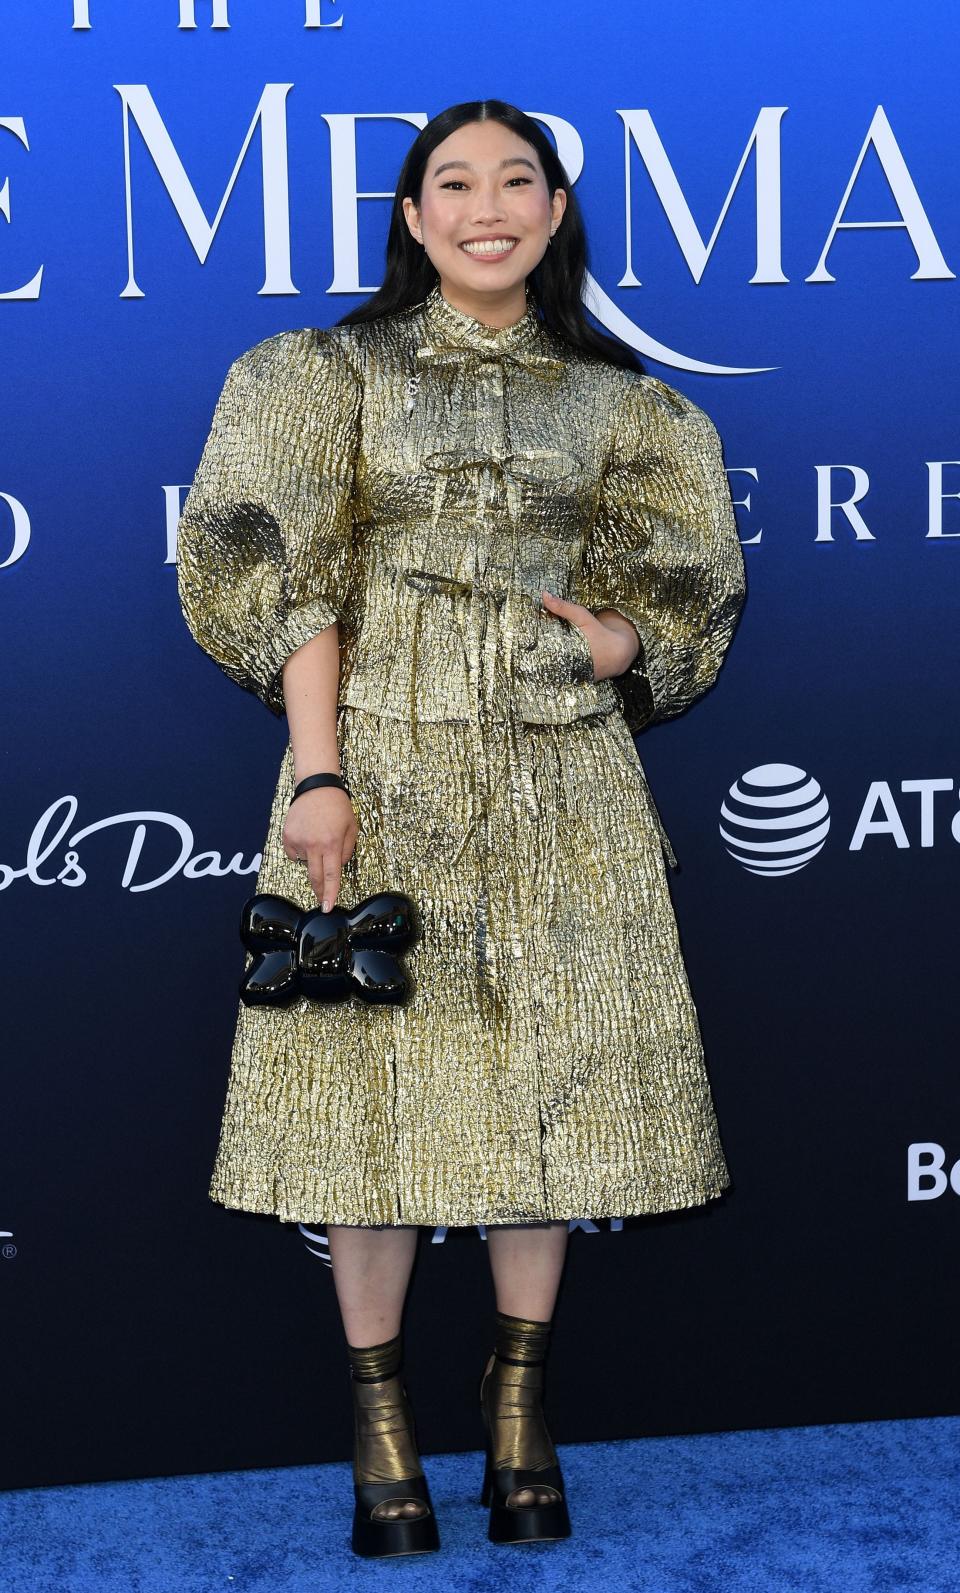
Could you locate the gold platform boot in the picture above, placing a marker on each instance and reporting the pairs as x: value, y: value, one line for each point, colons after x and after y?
x: 522, y: 1481
x: 393, y: 1513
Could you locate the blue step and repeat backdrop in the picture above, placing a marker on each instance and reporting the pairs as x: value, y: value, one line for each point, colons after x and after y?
x: 772, y: 200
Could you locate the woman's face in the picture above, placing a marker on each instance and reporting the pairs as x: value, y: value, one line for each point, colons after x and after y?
x: 485, y: 215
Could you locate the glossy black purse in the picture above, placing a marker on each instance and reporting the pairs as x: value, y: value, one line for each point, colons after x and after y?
x: 327, y: 956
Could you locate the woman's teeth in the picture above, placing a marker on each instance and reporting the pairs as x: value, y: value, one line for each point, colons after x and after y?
x: 498, y: 246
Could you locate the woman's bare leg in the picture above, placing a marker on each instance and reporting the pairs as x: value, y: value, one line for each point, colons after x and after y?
x: 371, y: 1272
x: 526, y: 1260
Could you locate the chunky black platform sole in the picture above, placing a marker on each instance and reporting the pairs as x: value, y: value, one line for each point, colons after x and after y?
x: 523, y: 1523
x: 376, y: 1539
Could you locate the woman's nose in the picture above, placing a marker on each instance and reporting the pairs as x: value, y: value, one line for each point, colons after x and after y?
x: 489, y: 205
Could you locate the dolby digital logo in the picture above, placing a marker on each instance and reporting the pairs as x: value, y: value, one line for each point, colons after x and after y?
x: 774, y: 819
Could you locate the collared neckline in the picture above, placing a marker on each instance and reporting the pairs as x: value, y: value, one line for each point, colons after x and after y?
x: 456, y: 326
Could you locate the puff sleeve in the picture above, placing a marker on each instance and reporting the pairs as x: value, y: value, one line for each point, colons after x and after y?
x: 264, y: 541
x: 663, y: 549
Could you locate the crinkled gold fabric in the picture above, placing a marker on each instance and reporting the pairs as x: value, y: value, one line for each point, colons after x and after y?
x: 420, y: 479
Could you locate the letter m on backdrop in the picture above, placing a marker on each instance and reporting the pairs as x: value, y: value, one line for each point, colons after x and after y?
x: 271, y: 117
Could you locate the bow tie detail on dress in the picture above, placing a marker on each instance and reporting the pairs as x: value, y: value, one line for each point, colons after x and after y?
x: 453, y: 355
x: 515, y: 465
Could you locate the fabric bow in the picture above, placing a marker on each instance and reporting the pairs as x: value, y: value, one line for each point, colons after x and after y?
x: 515, y: 465
x: 455, y: 354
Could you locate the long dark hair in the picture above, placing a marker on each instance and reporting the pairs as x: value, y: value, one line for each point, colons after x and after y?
x: 556, y: 281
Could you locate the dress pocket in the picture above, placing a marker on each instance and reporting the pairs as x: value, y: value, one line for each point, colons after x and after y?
x: 553, y: 678
x: 584, y: 668
x: 553, y: 654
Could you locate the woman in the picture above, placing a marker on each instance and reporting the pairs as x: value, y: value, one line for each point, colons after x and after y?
x: 468, y: 546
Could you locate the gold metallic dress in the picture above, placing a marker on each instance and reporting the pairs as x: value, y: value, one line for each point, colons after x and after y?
x: 421, y: 479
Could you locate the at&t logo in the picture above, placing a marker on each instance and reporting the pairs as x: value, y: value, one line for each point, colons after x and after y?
x: 774, y: 819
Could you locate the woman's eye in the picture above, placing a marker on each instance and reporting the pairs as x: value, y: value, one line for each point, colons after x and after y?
x: 455, y: 182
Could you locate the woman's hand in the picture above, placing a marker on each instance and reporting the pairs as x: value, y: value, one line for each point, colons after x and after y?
x: 612, y: 639
x: 322, y: 827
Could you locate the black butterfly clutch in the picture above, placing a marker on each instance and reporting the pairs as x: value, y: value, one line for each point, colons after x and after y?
x: 327, y: 956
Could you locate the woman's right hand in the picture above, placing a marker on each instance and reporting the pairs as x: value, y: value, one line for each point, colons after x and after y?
x: 322, y: 827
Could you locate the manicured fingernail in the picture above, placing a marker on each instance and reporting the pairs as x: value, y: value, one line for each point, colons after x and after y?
x: 325, y: 906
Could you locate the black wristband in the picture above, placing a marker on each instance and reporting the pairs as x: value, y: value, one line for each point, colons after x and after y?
x: 313, y: 780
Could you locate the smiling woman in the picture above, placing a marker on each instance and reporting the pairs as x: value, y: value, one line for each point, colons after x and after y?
x: 468, y: 546
x: 495, y: 212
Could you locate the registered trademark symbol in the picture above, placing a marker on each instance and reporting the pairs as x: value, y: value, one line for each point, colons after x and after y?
x: 8, y: 1252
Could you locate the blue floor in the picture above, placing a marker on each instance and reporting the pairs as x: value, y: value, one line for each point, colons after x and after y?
x: 872, y: 1506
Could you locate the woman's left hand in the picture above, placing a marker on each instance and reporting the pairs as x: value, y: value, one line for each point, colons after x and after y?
x: 612, y: 639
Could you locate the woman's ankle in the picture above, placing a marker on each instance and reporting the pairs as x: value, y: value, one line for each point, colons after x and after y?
x: 371, y: 1363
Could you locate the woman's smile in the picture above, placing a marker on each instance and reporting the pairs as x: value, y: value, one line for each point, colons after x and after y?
x: 488, y: 248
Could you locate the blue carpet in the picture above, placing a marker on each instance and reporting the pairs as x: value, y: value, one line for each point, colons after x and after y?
x: 872, y: 1507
